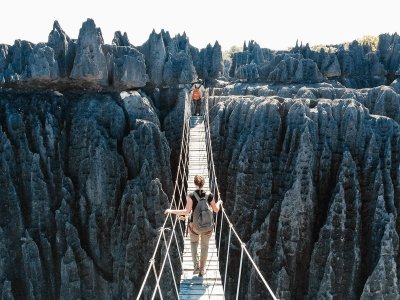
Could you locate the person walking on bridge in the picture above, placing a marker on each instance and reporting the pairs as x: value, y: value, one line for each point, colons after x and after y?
x: 198, y: 204
x: 196, y: 92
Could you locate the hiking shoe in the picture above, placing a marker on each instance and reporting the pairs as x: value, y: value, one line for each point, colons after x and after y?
x: 196, y: 270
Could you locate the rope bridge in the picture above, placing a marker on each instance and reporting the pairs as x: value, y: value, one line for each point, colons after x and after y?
x: 173, y: 231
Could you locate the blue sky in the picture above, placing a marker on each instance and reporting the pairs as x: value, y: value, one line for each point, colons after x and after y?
x: 273, y: 24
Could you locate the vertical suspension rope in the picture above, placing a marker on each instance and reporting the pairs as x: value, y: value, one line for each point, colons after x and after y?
x: 180, y: 190
x: 157, y: 286
x: 145, y: 278
x: 213, y: 178
x: 220, y: 233
x: 240, y: 272
x: 152, y: 260
x: 165, y: 257
x: 227, y: 256
x: 170, y: 264
x: 231, y: 228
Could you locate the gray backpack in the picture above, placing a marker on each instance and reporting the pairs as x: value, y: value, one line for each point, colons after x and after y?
x: 202, y: 215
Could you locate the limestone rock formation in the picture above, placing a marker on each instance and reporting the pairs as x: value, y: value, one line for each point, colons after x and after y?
x: 90, y: 62
x: 168, y: 59
x: 308, y: 165
x: 284, y: 70
x: 85, y: 178
x: 383, y: 282
x: 121, y: 39
x: 312, y: 183
x: 252, y: 54
x: 329, y: 66
x: 172, y: 61
x: 354, y: 65
x: 126, y: 67
x: 15, y: 60
x: 139, y: 107
x: 389, y: 53
x: 248, y: 72
x: 254, y: 63
x: 155, y: 53
x: 307, y: 71
x: 42, y: 63
x: 179, y: 67
x: 208, y: 61
x: 64, y: 49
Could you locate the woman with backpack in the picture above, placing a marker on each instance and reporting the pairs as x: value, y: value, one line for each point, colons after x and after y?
x: 196, y: 97
x: 199, y: 203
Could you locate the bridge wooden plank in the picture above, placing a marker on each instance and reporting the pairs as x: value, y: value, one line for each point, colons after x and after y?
x: 203, y: 297
x: 210, y: 285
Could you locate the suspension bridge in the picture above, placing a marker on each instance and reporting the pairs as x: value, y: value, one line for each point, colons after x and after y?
x: 195, y: 159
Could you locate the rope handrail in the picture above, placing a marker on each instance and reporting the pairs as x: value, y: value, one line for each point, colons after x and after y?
x: 213, y: 177
x: 181, y: 190
x: 181, y: 165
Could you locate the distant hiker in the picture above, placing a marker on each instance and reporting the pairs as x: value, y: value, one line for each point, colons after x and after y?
x: 200, y: 223
x: 197, y: 91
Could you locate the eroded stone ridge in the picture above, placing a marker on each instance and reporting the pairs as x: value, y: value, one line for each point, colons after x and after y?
x: 313, y: 183
x: 85, y: 178
x: 308, y: 168
x: 89, y: 63
x: 354, y: 65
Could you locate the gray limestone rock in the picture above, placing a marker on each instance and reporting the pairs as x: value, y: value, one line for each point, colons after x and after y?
x: 90, y: 62
x: 333, y: 272
x: 179, y: 66
x: 389, y: 52
x: 309, y: 170
x: 42, y: 63
x: 174, y: 61
x: 252, y: 54
x: 14, y: 61
x: 19, y: 55
x: 3, y: 58
x: 209, y: 62
x: 136, y: 145
x: 305, y: 93
x: 396, y: 86
x: 155, y: 53
x: 7, y: 292
x: 388, y: 104
x: 247, y: 72
x: 360, y: 67
x: 32, y: 268
x: 285, y: 70
x: 383, y: 282
x: 121, y: 39
x: 330, y: 66
x: 307, y: 71
x: 127, y: 67
x: 65, y: 170
x: 70, y: 280
x: 354, y: 65
x: 60, y: 43
x: 138, y: 107
x: 300, y: 177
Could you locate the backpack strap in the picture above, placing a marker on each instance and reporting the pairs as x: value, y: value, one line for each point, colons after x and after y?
x: 196, y: 196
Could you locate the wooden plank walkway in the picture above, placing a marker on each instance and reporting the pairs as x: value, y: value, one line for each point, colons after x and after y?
x: 193, y: 287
